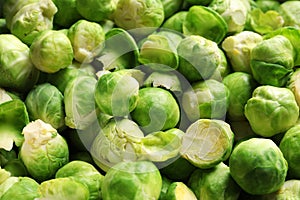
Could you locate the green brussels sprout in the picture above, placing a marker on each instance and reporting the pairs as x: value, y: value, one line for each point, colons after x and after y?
x: 214, y: 184
x: 264, y: 22
x: 289, y: 11
x: 11, y: 7
x: 288, y: 144
x: 272, y: 60
x: 117, y: 93
x: 198, y: 58
x: 175, y: 22
x: 268, y: 5
x: 13, y: 118
x: 87, y: 39
x: 289, y: 190
x: 63, y: 188
x: 19, y: 73
x: 132, y: 14
x: 234, y: 12
x: 67, y: 13
x: 24, y: 187
x: 32, y: 19
x: 258, y: 166
x: 16, y: 167
x: 291, y: 33
x: 96, y: 10
x: 132, y: 181
x: 179, y: 170
x: 171, y: 7
x: 240, y: 86
x: 156, y: 110
x: 123, y: 57
x: 207, y: 99
x: 46, y: 102
x: 79, y: 102
x: 294, y: 85
x: 61, y: 78
x: 238, y: 48
x: 179, y: 190
x: 43, y: 55
x: 84, y: 173
x: 118, y: 141
x: 159, y: 52
x: 271, y: 110
x: 206, y: 22
x: 43, y: 151
x: 207, y: 142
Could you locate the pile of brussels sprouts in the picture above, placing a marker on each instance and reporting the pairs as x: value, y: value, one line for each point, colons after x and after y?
x: 149, y: 99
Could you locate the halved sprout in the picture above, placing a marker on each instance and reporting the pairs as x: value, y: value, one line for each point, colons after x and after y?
x: 207, y: 142
x: 205, y: 22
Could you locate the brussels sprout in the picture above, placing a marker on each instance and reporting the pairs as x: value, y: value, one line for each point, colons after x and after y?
x: 268, y: 5
x: 96, y: 10
x: 207, y: 99
x: 67, y: 13
x: 291, y: 33
x: 198, y: 58
x: 171, y: 7
x: 289, y: 11
x: 19, y: 74
x: 207, y: 142
x: 116, y: 93
x: 238, y: 48
x: 179, y: 190
x: 43, y: 151
x: 255, y: 158
x: 79, y: 102
x: 16, y: 168
x: 179, y: 170
x: 240, y: 86
x: 272, y: 61
x: 132, y: 181
x: 264, y: 22
x: 32, y: 19
x: 214, y: 184
x: 61, y: 78
x: 159, y: 52
x: 234, y: 12
x: 156, y: 110
x: 62, y: 188
x: 118, y: 141
x: 87, y: 39
x: 46, y: 102
x: 288, y: 144
x: 45, y: 58
x: 123, y: 57
x: 289, y: 190
x: 24, y: 187
x: 84, y: 173
x: 271, y: 110
x: 205, y: 22
x: 175, y: 22
x: 13, y: 118
x: 294, y: 85
x: 132, y: 14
